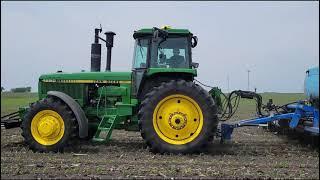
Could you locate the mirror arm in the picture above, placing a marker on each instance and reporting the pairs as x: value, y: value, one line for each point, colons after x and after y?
x: 195, y: 65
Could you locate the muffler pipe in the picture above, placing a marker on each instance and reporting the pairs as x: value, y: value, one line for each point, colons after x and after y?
x: 109, y: 44
x: 96, y: 52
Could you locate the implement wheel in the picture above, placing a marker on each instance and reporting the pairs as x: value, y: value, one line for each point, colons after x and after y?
x: 49, y: 125
x: 178, y: 117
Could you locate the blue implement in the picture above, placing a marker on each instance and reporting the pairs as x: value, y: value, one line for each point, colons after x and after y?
x: 302, y: 113
x: 311, y: 83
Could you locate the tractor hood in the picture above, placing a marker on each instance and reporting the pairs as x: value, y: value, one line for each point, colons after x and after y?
x: 86, y: 77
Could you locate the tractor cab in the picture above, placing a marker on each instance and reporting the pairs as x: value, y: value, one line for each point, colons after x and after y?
x: 162, y: 54
x: 163, y: 48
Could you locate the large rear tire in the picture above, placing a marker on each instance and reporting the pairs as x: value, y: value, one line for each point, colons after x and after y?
x: 178, y: 117
x: 49, y: 125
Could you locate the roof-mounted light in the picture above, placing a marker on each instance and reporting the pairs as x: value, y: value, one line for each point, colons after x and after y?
x: 166, y: 27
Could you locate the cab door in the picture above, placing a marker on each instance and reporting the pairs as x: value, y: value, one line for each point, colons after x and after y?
x: 140, y: 63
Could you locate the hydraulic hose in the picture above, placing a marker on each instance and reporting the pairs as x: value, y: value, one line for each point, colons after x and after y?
x: 230, y: 103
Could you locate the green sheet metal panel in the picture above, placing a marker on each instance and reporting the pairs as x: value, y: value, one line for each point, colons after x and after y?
x: 152, y: 71
x: 76, y: 91
x: 118, y: 76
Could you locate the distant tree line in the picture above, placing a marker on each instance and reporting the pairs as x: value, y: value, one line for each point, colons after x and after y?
x: 21, y: 89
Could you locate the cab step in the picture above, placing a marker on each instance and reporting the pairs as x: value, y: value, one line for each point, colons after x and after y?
x: 106, y: 125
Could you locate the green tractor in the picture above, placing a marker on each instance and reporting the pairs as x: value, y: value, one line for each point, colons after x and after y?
x: 158, y: 98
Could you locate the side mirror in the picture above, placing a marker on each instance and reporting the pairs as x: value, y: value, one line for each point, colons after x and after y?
x: 195, y: 65
x: 194, y: 41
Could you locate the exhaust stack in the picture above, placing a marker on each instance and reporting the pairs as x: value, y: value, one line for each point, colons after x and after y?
x: 96, y: 52
x: 109, y: 44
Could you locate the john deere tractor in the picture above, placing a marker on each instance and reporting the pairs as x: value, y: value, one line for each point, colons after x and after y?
x: 158, y: 98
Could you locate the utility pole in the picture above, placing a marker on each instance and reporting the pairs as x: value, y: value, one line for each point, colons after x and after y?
x: 248, y: 79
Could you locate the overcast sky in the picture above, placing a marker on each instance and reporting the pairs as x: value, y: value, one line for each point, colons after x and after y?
x: 277, y: 41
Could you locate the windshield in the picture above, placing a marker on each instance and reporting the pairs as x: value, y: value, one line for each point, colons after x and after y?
x: 140, y: 53
x: 173, y: 53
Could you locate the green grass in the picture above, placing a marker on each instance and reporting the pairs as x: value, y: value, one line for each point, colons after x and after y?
x: 247, y: 107
x: 282, y: 98
x: 10, y: 102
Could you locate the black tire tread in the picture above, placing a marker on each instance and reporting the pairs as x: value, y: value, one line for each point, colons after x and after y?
x: 208, y: 107
x: 71, y: 125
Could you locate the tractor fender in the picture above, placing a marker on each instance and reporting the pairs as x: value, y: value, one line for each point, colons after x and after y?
x: 76, y: 109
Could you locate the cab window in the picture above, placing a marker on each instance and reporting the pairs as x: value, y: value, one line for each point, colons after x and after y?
x: 173, y: 53
x: 140, y: 53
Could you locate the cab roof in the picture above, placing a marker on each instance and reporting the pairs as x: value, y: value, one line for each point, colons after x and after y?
x: 148, y: 31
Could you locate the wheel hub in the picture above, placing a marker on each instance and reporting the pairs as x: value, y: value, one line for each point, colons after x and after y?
x: 47, y: 127
x: 177, y: 119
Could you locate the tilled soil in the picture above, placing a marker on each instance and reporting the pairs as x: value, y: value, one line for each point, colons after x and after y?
x: 253, y: 153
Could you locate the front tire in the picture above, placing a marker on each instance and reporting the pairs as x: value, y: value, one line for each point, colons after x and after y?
x: 178, y: 117
x: 49, y: 125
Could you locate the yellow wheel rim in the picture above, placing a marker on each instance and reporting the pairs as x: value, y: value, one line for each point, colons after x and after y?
x: 177, y: 119
x: 47, y: 127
